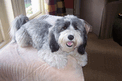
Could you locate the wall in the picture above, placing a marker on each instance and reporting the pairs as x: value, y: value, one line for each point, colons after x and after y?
x: 91, y: 11
x: 69, y: 3
x: 9, y: 11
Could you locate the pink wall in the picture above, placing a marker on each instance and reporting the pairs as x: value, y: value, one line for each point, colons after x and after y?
x: 69, y: 3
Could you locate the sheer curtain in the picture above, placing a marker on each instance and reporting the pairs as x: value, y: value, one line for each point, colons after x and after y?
x: 55, y: 7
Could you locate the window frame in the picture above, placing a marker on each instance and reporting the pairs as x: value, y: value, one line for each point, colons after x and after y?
x: 1, y: 35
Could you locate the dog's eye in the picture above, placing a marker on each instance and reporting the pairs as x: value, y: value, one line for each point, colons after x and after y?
x: 64, y: 28
x: 75, y: 27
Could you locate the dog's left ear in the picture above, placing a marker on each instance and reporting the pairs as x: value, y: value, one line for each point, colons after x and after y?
x: 81, y: 48
x: 87, y: 29
x: 52, y: 43
x: 87, y: 26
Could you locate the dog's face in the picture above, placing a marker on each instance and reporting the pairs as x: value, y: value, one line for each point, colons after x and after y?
x: 68, y: 34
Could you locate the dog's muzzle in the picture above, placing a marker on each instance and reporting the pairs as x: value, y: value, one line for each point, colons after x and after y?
x: 70, y: 43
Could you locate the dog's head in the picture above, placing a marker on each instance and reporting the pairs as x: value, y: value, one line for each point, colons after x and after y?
x: 69, y: 33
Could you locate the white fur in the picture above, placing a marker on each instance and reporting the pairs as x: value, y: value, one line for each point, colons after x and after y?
x: 57, y: 59
x: 63, y: 38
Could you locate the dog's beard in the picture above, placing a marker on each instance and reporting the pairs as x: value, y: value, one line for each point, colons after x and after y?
x: 69, y: 45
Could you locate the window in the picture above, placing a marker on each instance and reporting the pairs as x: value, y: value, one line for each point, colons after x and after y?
x: 32, y: 7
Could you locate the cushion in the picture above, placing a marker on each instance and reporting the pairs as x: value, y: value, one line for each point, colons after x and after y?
x: 23, y: 64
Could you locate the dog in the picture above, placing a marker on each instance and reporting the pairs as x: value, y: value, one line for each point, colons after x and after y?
x: 54, y: 37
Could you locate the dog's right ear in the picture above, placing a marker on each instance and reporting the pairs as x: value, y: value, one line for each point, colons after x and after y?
x: 52, y: 43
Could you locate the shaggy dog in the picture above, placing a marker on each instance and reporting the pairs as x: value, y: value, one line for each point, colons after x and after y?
x: 54, y: 37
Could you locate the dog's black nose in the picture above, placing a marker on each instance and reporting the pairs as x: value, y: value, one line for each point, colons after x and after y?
x: 70, y: 37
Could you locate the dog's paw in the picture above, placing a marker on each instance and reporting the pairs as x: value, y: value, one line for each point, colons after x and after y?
x: 81, y: 59
x: 82, y: 63
x: 54, y: 59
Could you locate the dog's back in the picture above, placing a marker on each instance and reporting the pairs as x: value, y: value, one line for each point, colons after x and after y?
x: 33, y: 32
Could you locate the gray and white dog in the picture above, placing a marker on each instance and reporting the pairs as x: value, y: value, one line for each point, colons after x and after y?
x: 55, y: 37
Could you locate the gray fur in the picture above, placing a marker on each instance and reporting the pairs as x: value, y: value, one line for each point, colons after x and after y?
x: 42, y: 34
x: 65, y: 22
x: 62, y: 22
x: 34, y: 31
